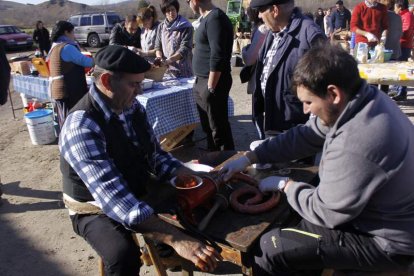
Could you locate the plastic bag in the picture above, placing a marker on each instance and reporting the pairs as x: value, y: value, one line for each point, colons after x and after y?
x: 378, y: 56
x: 362, y: 52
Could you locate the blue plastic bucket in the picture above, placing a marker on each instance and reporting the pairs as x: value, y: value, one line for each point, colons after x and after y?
x: 40, y: 126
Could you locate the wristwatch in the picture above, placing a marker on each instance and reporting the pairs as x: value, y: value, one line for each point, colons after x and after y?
x: 282, y: 184
x: 211, y: 90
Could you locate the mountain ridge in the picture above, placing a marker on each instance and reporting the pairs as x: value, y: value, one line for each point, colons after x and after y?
x: 26, y: 15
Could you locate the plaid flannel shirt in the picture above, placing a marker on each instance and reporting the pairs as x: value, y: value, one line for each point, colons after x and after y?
x: 268, y: 62
x: 83, y: 145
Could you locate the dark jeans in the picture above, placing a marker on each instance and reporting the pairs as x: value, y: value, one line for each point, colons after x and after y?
x: 213, y: 111
x: 405, y: 54
x: 307, y: 247
x: 113, y: 243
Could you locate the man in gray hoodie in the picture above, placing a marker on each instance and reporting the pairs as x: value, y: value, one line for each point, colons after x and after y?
x: 361, y: 215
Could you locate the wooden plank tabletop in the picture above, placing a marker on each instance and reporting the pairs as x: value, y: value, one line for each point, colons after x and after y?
x: 388, y: 73
x: 240, y: 231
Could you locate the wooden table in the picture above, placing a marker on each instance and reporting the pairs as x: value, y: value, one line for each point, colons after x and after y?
x: 389, y: 73
x: 170, y: 105
x: 237, y: 233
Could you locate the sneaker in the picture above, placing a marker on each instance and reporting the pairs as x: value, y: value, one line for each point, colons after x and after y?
x: 393, y: 94
x: 401, y: 97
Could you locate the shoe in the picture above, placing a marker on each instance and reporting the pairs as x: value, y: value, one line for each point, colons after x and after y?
x: 393, y: 94
x: 401, y: 97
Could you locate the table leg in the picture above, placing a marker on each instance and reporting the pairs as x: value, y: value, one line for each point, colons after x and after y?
x: 11, y: 103
x: 246, y: 264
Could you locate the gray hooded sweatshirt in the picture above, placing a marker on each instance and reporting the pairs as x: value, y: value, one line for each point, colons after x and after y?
x: 366, y: 170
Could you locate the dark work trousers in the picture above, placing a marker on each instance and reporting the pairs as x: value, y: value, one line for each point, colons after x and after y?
x: 306, y: 247
x: 405, y: 55
x: 113, y: 243
x: 213, y: 111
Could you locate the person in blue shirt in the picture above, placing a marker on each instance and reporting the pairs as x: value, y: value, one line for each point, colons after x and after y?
x: 341, y: 18
x: 67, y: 69
x: 109, y: 155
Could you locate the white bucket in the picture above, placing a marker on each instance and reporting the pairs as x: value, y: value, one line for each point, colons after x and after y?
x: 40, y: 125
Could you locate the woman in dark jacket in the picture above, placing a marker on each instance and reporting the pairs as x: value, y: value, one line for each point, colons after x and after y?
x: 319, y: 15
x: 41, y: 37
x: 127, y: 33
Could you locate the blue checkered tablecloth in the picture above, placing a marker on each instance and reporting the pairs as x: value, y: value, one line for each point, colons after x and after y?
x: 36, y: 87
x: 169, y: 104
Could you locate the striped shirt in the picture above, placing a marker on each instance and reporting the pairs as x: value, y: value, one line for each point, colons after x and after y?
x: 83, y: 146
x: 269, y: 65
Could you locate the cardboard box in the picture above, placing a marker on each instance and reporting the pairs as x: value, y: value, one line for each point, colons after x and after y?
x: 170, y: 140
x: 20, y: 67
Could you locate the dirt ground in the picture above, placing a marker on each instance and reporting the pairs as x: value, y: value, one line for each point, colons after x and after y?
x: 36, y: 234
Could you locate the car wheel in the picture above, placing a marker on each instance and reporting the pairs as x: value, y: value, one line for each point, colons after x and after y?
x: 94, y: 41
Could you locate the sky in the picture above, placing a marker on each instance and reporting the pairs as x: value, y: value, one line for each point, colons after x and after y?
x: 89, y: 2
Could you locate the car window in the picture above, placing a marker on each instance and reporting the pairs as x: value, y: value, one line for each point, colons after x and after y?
x: 3, y: 30
x: 85, y: 21
x: 74, y: 21
x: 113, y: 19
x: 16, y: 30
x: 97, y: 20
x: 8, y: 30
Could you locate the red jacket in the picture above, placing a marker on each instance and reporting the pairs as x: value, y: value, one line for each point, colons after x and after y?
x: 408, y: 29
x: 373, y: 20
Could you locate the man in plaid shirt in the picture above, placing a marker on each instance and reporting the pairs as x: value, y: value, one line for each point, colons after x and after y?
x: 275, y: 107
x: 108, y: 154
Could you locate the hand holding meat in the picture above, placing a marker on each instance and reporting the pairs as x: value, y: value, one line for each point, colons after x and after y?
x: 272, y: 183
x: 234, y: 166
x: 371, y: 37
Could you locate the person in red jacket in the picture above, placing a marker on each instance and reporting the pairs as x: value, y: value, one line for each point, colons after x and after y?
x: 406, y: 41
x: 370, y: 22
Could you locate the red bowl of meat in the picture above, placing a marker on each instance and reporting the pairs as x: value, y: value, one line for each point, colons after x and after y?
x: 186, y: 181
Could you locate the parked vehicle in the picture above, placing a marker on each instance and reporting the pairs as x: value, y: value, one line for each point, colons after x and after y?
x: 236, y: 13
x: 15, y: 38
x: 94, y: 28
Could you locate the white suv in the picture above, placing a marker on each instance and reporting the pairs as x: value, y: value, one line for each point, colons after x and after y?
x: 94, y: 28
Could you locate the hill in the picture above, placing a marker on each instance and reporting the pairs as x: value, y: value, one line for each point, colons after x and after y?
x: 26, y: 15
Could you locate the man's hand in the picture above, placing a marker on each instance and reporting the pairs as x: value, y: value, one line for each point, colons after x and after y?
x: 371, y: 37
x: 203, y: 256
x: 234, y: 166
x: 273, y: 183
x: 141, y: 52
x: 383, y: 37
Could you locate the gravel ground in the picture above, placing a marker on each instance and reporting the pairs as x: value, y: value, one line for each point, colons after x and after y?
x: 37, y: 237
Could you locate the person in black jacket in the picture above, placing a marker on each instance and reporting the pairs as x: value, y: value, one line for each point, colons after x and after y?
x: 41, y: 37
x: 319, y: 15
x: 4, y: 74
x: 127, y: 33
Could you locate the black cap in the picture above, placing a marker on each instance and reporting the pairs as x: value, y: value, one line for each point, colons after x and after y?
x: 254, y: 4
x: 117, y: 58
x: 340, y: 2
